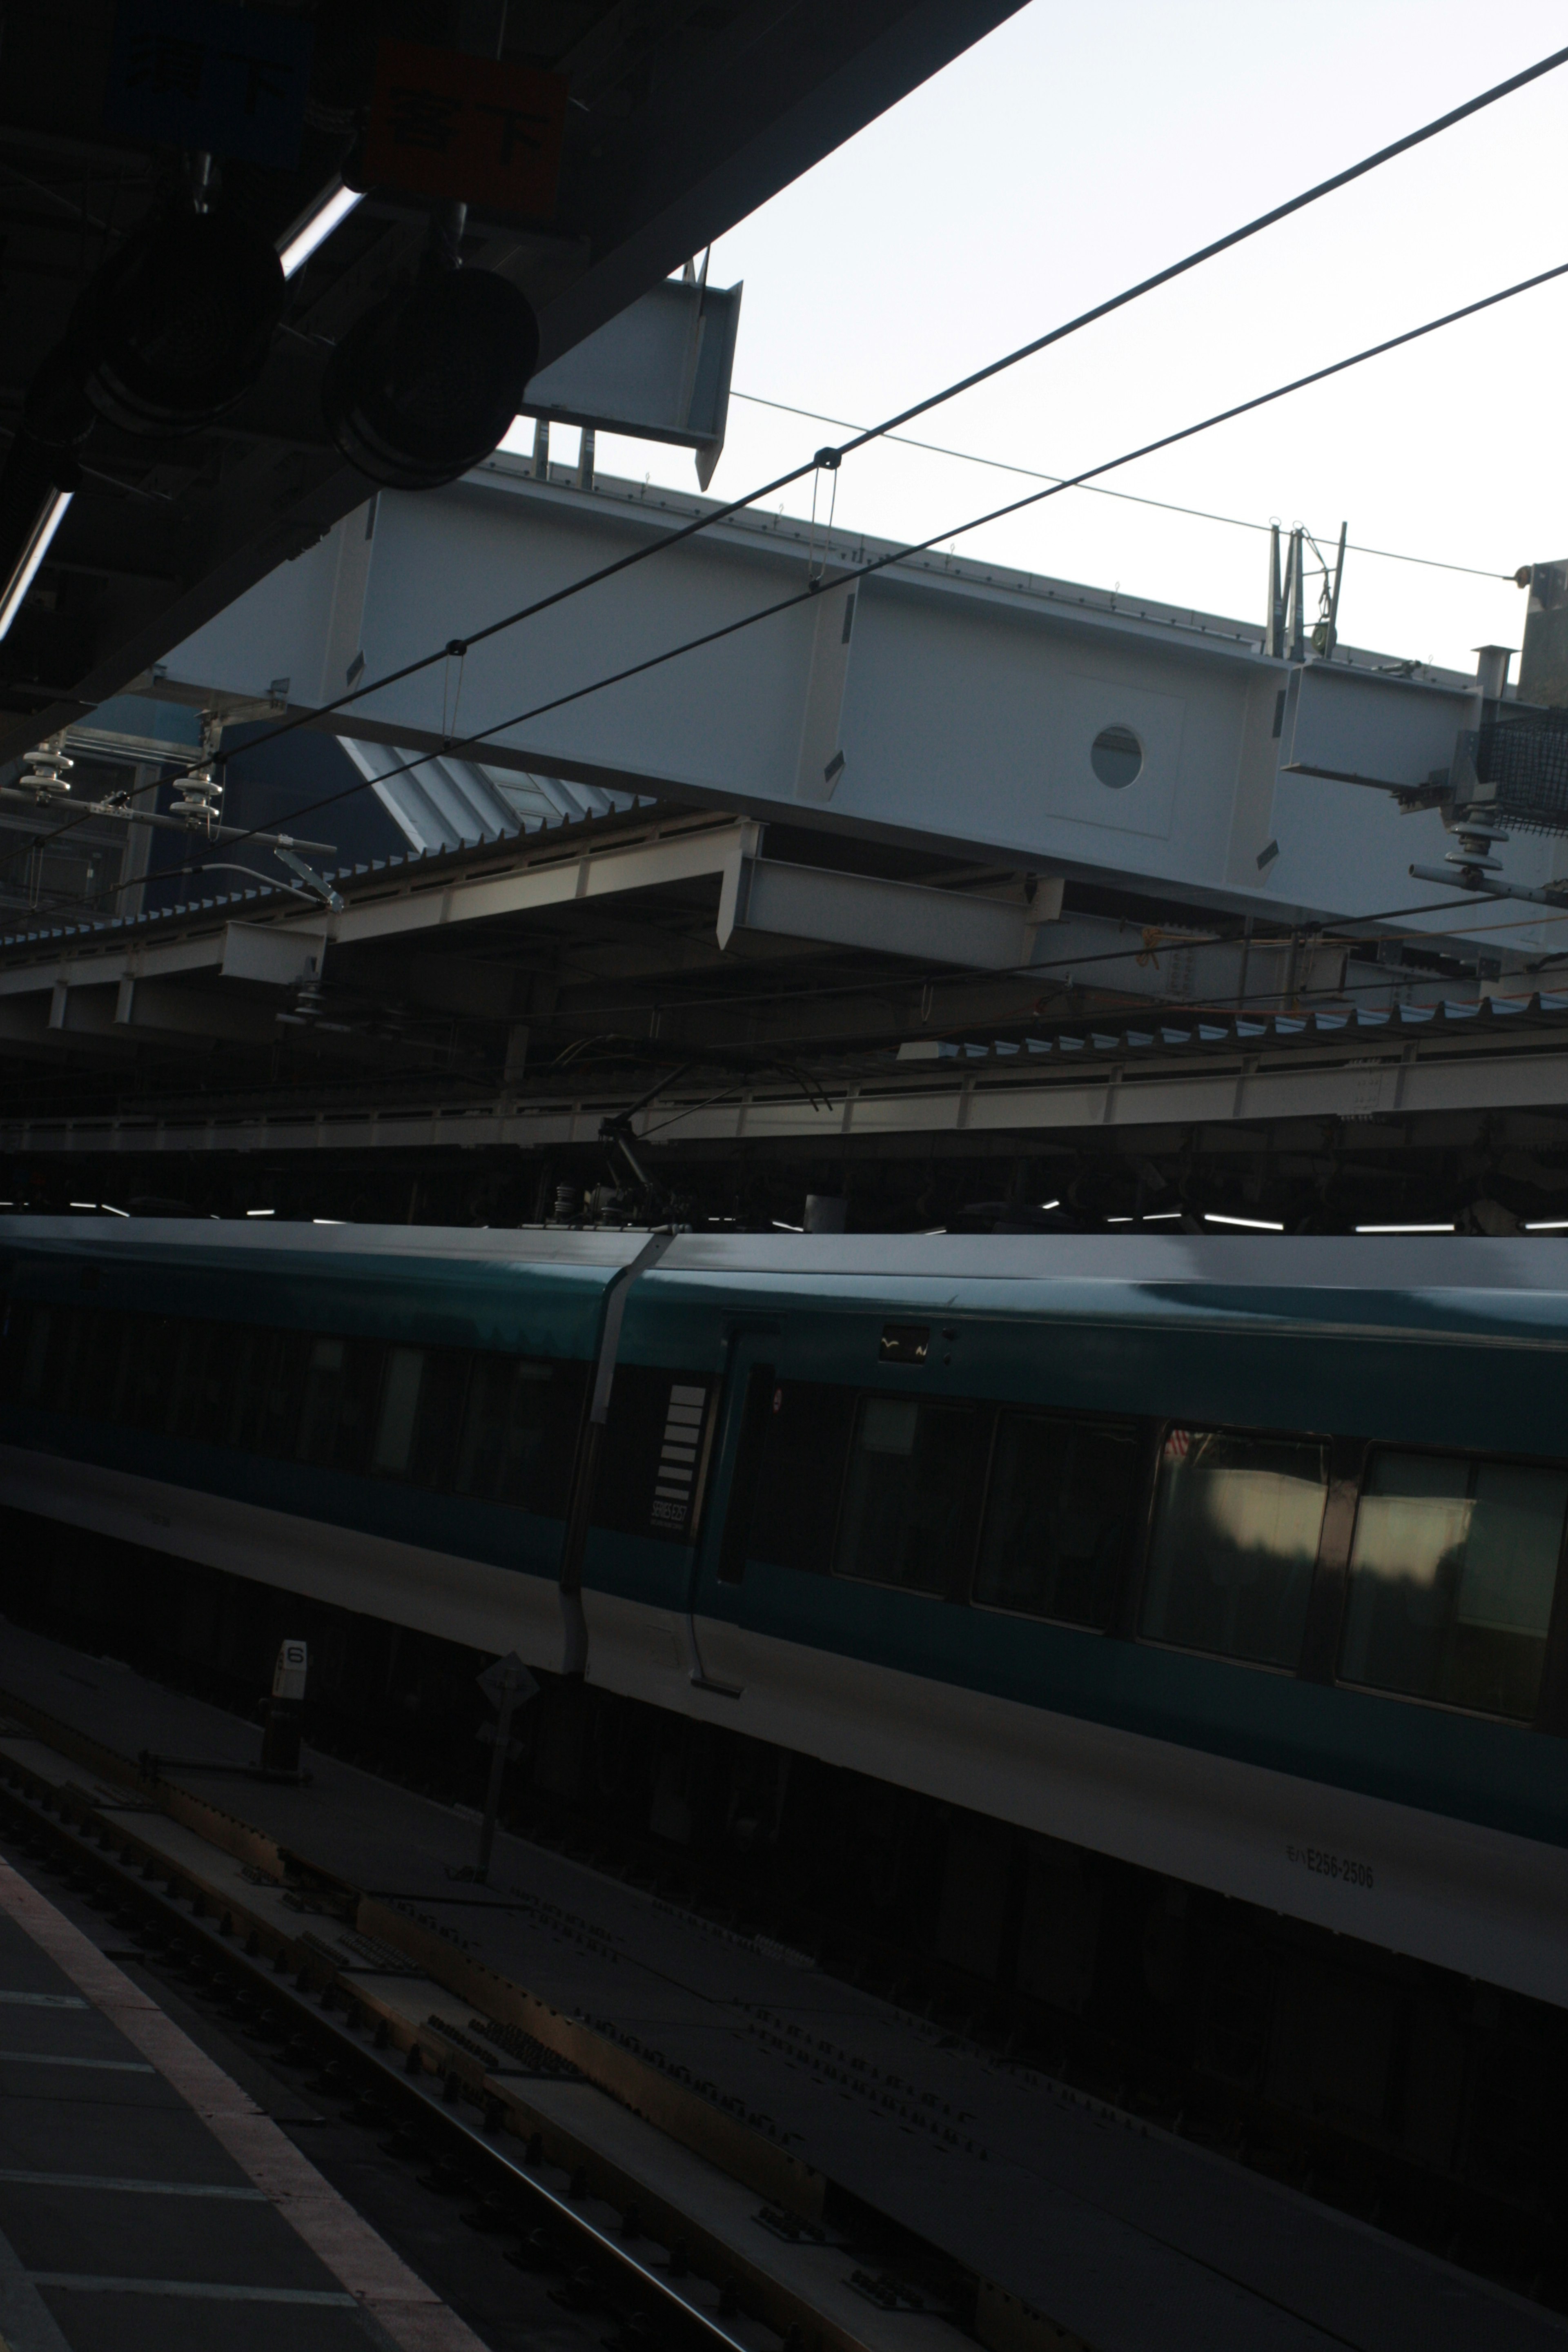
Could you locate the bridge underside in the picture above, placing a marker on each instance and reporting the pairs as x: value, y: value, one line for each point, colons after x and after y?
x: 906, y: 1029
x: 847, y: 908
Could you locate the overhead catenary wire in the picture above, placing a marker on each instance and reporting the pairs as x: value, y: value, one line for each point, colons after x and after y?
x: 849, y: 575
x: 863, y: 436
x: 1098, y: 489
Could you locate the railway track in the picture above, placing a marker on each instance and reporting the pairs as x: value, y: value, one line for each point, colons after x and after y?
x: 649, y: 2241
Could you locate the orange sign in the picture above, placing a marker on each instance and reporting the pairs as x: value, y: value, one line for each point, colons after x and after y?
x: 476, y: 130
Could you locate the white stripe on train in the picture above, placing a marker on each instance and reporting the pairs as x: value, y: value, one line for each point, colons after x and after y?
x: 1483, y: 1902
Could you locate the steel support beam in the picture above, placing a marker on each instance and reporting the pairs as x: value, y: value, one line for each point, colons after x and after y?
x: 941, y: 703
x: 971, y: 928
x: 1403, y: 1084
x: 658, y: 371
x: 754, y: 895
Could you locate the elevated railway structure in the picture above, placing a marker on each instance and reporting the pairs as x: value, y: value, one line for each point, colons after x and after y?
x: 1101, y: 738
x: 948, y: 864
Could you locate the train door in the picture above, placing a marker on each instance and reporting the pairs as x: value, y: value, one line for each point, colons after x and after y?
x: 717, y: 1635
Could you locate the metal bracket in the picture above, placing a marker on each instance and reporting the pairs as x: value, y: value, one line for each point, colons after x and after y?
x: 1471, y: 879
x: 308, y: 875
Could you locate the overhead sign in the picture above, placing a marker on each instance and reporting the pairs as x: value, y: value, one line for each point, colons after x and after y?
x: 479, y: 131
x: 204, y: 75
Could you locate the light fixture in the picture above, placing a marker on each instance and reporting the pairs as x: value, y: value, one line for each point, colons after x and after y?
x: 427, y: 382
x: 1405, y: 1229
x: 1249, y: 1224
x: 1549, y: 1225
x: 315, y: 224
x: 24, y: 570
x: 175, y: 326
x: 261, y: 1213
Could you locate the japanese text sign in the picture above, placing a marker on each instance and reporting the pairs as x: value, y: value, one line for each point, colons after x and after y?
x: 477, y: 130
x: 201, y: 74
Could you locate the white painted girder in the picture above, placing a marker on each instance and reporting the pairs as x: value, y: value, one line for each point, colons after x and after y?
x: 409, y: 899
x: 756, y: 898
x: 942, y: 703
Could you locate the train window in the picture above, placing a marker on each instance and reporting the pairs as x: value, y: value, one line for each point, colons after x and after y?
x: 94, y: 1392
x: 1062, y: 1497
x: 1237, y: 1522
x: 201, y: 1393
x: 361, y: 1386
x: 421, y: 1413
x: 36, y: 1353
x: 281, y: 1390
x: 794, y: 1498
x: 910, y: 1496
x: 341, y: 1377
x: 211, y: 1406
x: 65, y: 1379
x: 318, y: 1405
x: 25, y: 1347
x: 756, y: 1412
x: 1453, y: 1569
x: 59, y: 1359
x: 519, y: 1429
x: 149, y: 1371
x: 400, y: 1388
x: 187, y: 1360
x: 15, y: 1327
x: 436, y: 1425
x: 651, y: 1469
x: 253, y: 1353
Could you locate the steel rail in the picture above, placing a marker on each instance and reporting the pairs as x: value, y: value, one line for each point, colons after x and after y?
x: 86, y: 1831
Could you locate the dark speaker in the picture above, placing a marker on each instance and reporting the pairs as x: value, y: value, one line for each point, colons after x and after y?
x: 427, y: 382
x: 177, y: 325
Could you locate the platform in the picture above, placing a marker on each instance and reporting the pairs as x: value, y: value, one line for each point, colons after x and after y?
x: 1126, y: 2237
x: 146, y: 2198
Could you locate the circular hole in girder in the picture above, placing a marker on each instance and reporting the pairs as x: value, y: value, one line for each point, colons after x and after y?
x: 1117, y: 756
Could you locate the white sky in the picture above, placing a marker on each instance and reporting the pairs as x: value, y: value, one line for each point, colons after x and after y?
x: 1078, y: 149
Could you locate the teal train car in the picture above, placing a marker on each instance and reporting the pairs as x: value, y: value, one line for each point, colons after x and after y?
x: 1238, y: 1559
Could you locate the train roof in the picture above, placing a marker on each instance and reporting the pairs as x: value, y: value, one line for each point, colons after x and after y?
x: 1291, y: 1262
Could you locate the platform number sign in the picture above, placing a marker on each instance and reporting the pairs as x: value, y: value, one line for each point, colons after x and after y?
x: 481, y: 131
x: 204, y: 73
x: 677, y: 1479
